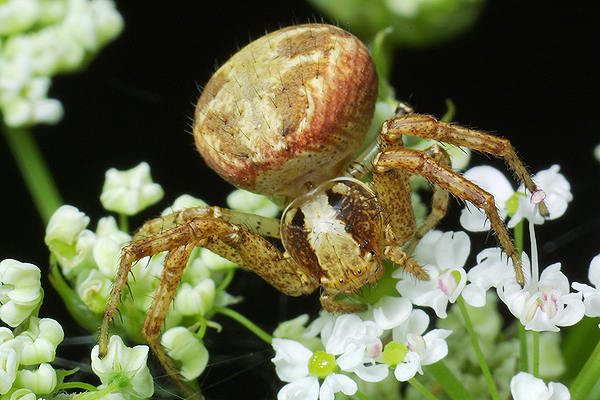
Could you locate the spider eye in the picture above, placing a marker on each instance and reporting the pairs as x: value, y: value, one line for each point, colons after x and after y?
x: 358, y: 271
x: 341, y: 281
x: 372, y: 252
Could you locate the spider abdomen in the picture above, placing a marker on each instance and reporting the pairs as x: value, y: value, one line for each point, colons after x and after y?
x: 287, y: 110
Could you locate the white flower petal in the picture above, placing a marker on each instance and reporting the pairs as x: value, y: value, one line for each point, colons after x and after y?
x: 524, y: 386
x: 337, y: 383
x: 408, y: 369
x: 474, y: 295
x: 389, y: 311
x: 594, y: 271
x: 372, y: 373
x: 558, y: 391
x: 306, y: 388
x: 291, y: 359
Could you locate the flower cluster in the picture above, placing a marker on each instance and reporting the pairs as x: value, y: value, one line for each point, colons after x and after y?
x: 89, y: 261
x: 26, y: 353
x: 342, y: 353
x: 39, y: 39
x: 355, y: 344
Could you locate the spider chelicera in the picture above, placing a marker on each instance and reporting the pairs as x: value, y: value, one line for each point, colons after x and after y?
x: 284, y: 117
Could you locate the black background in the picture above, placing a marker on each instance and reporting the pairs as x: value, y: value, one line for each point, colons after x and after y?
x: 525, y: 71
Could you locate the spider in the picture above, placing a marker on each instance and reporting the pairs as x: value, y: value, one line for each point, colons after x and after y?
x: 284, y: 117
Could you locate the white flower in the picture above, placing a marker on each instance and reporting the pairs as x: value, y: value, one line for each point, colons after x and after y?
x: 554, y: 185
x: 543, y: 305
x: 493, y: 267
x: 183, y: 346
x: 358, y: 345
x: 410, y: 349
x: 20, y: 291
x: 444, y: 255
x: 524, y: 386
x: 126, y: 366
x: 558, y: 195
x: 591, y: 295
x: 296, y: 364
x: 128, y: 192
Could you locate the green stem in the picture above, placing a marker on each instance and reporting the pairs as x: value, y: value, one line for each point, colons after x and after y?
x: 98, y: 394
x: 35, y: 173
x: 422, y: 389
x: 482, y: 363
x: 226, y: 281
x: 76, y: 385
x: 536, y: 354
x: 124, y: 223
x: 246, y: 322
x: 524, y: 357
x: 453, y: 386
x: 450, y: 111
x: 361, y: 396
x: 587, y: 377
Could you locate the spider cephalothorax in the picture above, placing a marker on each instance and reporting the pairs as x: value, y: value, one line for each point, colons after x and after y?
x: 284, y: 117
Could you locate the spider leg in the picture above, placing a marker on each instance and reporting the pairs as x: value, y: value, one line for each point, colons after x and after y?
x: 226, y: 239
x: 255, y: 223
x: 165, y: 292
x: 426, y: 126
x: 439, y: 200
x: 415, y: 161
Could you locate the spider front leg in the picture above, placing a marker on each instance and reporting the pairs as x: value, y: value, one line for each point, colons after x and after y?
x: 226, y: 239
x: 417, y: 162
x: 426, y: 126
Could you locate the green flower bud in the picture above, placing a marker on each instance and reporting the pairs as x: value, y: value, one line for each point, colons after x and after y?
x: 17, y: 15
x: 214, y: 261
x: 108, y: 228
x: 67, y: 238
x: 249, y: 202
x: 93, y: 288
x: 128, y: 192
x: 415, y: 23
x: 195, y: 300
x: 20, y: 291
x: 38, y: 343
x: 183, y: 346
x: 183, y: 202
x: 5, y: 335
x: 8, y: 368
x: 22, y: 394
x: 40, y: 381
